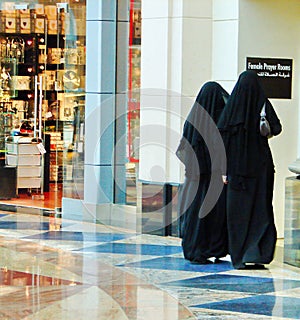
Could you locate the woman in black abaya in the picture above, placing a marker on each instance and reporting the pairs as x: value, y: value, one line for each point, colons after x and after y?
x: 250, y: 174
x: 203, y: 236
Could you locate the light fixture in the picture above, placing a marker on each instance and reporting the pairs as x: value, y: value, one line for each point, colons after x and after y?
x: 62, y: 6
x: 21, y: 6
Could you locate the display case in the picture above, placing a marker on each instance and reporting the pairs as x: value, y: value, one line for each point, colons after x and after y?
x: 25, y: 155
x: 6, y: 125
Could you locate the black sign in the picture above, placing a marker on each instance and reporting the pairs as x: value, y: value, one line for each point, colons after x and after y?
x: 275, y: 75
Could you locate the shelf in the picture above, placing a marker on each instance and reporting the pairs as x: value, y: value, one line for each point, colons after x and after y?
x: 22, y: 148
x: 23, y: 154
x: 23, y: 160
x: 29, y: 171
x: 29, y: 183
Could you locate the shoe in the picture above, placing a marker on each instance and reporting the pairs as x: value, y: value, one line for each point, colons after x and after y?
x: 218, y: 260
x: 255, y: 266
x: 201, y: 261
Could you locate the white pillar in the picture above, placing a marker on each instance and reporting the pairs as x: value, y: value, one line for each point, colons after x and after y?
x: 176, y: 61
x: 225, y: 42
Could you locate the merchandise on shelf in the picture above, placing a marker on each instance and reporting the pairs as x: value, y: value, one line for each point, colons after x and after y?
x: 41, y: 66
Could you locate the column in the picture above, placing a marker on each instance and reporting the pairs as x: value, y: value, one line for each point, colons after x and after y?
x: 176, y: 52
x: 105, y: 110
x: 100, y: 101
x: 225, y: 42
x: 176, y: 61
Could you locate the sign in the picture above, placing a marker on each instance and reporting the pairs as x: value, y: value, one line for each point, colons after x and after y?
x: 275, y: 75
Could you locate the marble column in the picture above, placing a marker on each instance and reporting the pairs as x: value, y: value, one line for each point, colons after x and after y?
x: 107, y: 25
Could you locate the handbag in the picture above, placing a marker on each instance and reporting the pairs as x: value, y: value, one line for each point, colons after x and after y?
x: 264, y: 126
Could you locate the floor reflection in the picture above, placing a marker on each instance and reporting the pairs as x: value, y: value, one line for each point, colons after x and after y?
x: 20, y: 279
x: 52, y: 268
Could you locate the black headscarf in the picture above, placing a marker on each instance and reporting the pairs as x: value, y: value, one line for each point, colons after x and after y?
x: 198, y: 128
x: 245, y: 102
x: 239, y: 125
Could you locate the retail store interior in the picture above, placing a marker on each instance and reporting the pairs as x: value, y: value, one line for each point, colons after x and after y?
x: 42, y: 102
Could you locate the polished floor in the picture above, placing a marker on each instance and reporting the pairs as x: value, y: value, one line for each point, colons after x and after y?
x: 52, y: 268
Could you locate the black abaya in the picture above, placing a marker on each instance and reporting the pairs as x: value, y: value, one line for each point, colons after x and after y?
x: 202, y: 237
x: 250, y: 171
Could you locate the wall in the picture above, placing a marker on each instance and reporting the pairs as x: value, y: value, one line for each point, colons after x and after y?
x: 271, y: 28
x: 177, y: 58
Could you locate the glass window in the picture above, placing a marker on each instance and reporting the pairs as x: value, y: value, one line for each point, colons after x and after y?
x: 133, y: 99
x: 42, y: 58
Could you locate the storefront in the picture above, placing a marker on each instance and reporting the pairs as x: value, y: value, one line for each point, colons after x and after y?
x: 43, y: 63
x: 42, y: 98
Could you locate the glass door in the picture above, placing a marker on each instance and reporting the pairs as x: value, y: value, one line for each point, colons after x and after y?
x: 64, y: 119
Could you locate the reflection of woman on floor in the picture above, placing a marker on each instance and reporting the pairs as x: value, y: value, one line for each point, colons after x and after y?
x: 202, y: 237
x: 250, y: 174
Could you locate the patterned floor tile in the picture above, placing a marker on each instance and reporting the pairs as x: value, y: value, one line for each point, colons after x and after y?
x: 24, y: 225
x: 207, y: 314
x: 212, y: 291
x: 130, y: 248
x: 152, y: 276
x: 79, y: 236
x: 193, y: 296
x: 228, y: 282
x: 173, y: 263
x: 261, y: 304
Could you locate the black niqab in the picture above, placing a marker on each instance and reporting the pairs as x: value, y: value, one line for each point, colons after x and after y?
x: 212, y: 98
x: 242, y: 116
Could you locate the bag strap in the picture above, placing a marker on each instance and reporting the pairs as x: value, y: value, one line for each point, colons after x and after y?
x: 263, y: 110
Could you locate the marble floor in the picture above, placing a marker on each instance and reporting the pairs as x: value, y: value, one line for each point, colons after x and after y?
x: 53, y: 268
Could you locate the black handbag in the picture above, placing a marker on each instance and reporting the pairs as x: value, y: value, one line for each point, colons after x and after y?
x: 264, y: 126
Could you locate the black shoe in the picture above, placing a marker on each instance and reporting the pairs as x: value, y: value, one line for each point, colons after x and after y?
x: 201, y: 261
x: 255, y: 266
x: 218, y: 260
